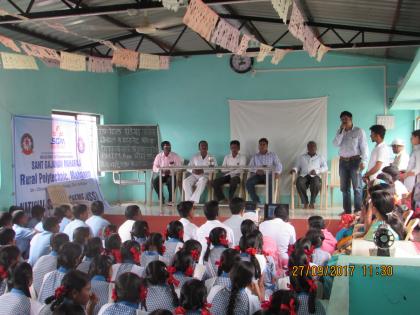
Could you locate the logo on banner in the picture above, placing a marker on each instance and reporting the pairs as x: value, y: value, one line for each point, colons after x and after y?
x: 81, y: 145
x: 57, y: 138
x: 27, y: 144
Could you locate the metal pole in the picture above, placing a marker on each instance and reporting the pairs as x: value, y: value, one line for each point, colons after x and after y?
x: 160, y: 189
x: 266, y: 186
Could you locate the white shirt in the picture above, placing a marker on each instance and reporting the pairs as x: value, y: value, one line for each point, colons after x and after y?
x: 400, y: 189
x: 413, y: 166
x: 306, y: 163
x: 204, y: 231
x: 401, y: 160
x: 283, y: 233
x: 352, y: 142
x: 73, y: 225
x: 234, y: 222
x: 197, y: 160
x: 190, y: 229
x: 238, y: 160
x: 125, y: 230
x: 379, y: 154
x: 97, y: 224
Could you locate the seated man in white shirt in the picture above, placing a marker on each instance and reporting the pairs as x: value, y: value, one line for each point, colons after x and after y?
x: 211, y: 211
x: 186, y: 212
x: 164, y: 159
x: 401, y: 156
x: 232, y: 177
x: 280, y: 231
x: 237, y: 208
x: 81, y: 214
x: 198, y: 177
x: 379, y: 158
x: 308, y: 168
x: 132, y: 214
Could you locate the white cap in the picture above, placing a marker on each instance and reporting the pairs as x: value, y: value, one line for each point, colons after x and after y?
x: 397, y: 142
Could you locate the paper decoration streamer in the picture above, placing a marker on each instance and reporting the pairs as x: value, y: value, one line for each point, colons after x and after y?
x: 9, y: 43
x: 297, y: 23
x: 148, y: 61
x: 278, y: 55
x: 39, y: 51
x: 226, y: 36
x: 243, y: 46
x: 321, y: 52
x: 164, y: 62
x: 264, y: 50
x: 72, y: 62
x: 99, y: 65
x: 310, y: 42
x: 282, y: 8
x: 125, y: 58
x: 16, y: 61
x: 200, y: 18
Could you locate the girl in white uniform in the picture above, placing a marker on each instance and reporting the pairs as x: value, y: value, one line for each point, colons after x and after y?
x: 140, y: 232
x: 218, y: 242
x: 93, y: 249
x: 193, y: 299
x: 174, y: 239
x: 153, y: 249
x: 100, y: 274
x: 9, y: 258
x: 130, y: 255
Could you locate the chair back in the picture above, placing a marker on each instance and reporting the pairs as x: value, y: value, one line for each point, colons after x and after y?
x: 335, y: 174
x: 410, y: 228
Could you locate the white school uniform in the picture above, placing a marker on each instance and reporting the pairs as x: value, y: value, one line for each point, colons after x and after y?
x: 73, y: 225
x: 211, y: 268
x: 149, y: 256
x: 234, y: 222
x: 125, y: 230
x: 222, y: 280
x: 118, y: 269
x: 119, y: 308
x: 159, y: 297
x: 245, y: 304
x: 172, y: 245
x: 85, y: 265
x: 17, y: 303
x: 43, y: 265
x: 190, y: 229
x: 52, y: 281
x: 102, y: 289
x: 97, y: 224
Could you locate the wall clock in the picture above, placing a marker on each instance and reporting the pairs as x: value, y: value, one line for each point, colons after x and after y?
x: 241, y: 64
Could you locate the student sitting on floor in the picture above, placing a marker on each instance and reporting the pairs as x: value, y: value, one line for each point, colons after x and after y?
x: 319, y: 256
x: 48, y: 263
x: 100, y: 272
x: 9, y: 258
x: 282, y: 302
x: 228, y: 259
x: 7, y: 237
x: 96, y: 222
x: 216, y: 244
x: 113, y: 248
x: 174, y: 239
x: 140, y: 232
x: 93, y: 249
x: 18, y: 300
x: 160, y: 287
x: 37, y: 215
x: 130, y: 254
x: 129, y: 296
x: 182, y: 267
x: 186, y: 212
x: 193, y: 298
x: 68, y: 258
x: 72, y: 297
x: 40, y: 243
x: 81, y: 214
x: 81, y: 236
x: 193, y: 247
x: 132, y: 214
x: 153, y: 249
x: 329, y: 243
x: 23, y: 235
x: 6, y: 220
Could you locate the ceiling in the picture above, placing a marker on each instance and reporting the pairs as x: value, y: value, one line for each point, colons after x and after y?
x: 381, y: 28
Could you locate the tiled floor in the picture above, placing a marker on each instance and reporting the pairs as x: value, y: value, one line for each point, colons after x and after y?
x: 330, y: 213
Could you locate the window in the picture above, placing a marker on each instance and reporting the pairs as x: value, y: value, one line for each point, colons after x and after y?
x: 87, y: 126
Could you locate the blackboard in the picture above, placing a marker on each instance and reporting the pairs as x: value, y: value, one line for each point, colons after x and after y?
x: 127, y: 147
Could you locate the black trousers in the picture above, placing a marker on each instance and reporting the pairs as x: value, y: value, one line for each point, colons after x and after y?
x: 305, y: 182
x: 166, y: 179
x: 220, y: 181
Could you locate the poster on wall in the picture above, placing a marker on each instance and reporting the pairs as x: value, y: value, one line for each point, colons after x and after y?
x: 50, y: 151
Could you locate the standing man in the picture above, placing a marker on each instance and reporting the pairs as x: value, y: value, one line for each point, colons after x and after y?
x: 379, y: 158
x: 198, y: 177
x: 164, y: 159
x: 353, y: 151
x: 308, y: 168
x: 401, y: 156
x: 413, y: 168
x: 262, y: 159
x: 233, y: 177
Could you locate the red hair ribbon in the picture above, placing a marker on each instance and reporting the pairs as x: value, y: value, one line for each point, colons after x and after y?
x: 181, y: 234
x: 290, y: 249
x: 166, y: 234
x: 195, y: 254
x: 171, y: 279
x: 265, y: 253
x: 163, y: 249
x: 3, y: 273
x: 116, y: 253
x: 143, y: 293
x: 205, y: 309
x: 136, y: 254
x: 289, y: 307
x: 60, y: 291
x: 346, y: 219
x: 217, y: 262
x: 180, y: 311
x: 237, y: 248
x: 251, y: 251
x: 290, y: 286
x: 265, y: 305
x: 309, y: 252
x: 312, y: 285
x: 114, y: 295
x: 143, y: 248
x: 189, y: 272
x: 223, y: 240
x: 107, y: 232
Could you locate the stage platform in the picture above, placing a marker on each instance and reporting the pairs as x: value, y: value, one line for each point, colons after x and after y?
x: 158, y: 219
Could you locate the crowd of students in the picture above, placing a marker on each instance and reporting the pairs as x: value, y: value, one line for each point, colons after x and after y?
x: 71, y: 262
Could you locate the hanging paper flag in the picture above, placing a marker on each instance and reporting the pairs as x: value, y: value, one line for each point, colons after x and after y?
x: 243, y: 46
x: 164, y: 62
x: 278, y: 55
x: 72, y: 62
x: 321, y: 52
x: 9, y: 43
x: 126, y: 58
x: 264, y: 50
x: 39, y: 51
x: 226, y: 36
x: 172, y: 4
x: 148, y: 61
x: 108, y: 44
x: 310, y: 43
x: 200, y: 18
x: 99, y: 65
x: 282, y: 8
x: 297, y: 23
x: 16, y: 61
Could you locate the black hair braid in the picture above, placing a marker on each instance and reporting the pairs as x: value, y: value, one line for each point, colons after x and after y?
x: 232, y: 300
x: 257, y: 266
x: 175, y: 299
